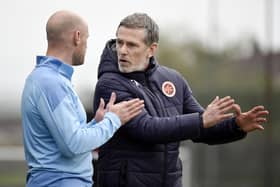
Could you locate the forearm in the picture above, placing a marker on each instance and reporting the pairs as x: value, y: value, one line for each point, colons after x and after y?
x: 224, y: 132
x: 70, y: 131
x: 150, y: 129
x: 94, y: 135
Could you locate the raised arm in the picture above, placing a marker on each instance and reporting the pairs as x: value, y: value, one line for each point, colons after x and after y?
x: 67, y: 124
x: 145, y: 127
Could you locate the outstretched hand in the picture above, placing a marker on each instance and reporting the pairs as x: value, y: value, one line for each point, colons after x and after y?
x: 251, y: 120
x: 99, y: 115
x: 217, y: 111
x: 125, y: 110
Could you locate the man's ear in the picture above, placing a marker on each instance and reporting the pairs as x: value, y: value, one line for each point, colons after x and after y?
x: 77, y: 38
x: 152, y: 49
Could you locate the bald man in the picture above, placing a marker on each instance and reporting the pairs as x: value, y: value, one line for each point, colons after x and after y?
x: 57, y: 140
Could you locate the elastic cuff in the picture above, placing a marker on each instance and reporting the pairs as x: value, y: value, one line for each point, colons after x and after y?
x: 113, y: 117
x: 235, y: 126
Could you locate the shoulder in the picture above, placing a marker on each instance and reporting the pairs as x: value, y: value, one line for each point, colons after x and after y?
x: 112, y: 80
x: 168, y: 73
x: 175, y: 77
x: 168, y: 70
x: 48, y: 79
x: 51, y: 85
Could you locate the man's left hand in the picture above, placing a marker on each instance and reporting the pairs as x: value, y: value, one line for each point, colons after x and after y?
x: 251, y: 120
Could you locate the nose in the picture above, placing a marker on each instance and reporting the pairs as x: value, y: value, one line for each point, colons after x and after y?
x: 122, y: 49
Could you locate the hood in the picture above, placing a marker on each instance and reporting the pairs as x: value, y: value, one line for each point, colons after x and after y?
x: 109, y: 61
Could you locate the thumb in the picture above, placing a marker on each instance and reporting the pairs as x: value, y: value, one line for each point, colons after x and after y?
x: 237, y: 109
x: 101, y: 104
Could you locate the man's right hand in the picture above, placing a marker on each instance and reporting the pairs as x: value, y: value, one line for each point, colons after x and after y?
x: 125, y: 110
x: 217, y: 111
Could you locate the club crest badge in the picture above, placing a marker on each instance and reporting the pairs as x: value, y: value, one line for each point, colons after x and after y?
x: 168, y: 88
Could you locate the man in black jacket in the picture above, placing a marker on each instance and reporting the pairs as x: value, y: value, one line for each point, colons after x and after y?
x: 145, y: 152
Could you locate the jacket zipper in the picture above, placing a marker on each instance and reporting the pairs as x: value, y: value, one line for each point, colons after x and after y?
x: 164, y: 174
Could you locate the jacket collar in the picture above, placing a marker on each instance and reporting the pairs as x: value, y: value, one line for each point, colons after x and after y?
x: 141, y: 76
x: 54, y: 63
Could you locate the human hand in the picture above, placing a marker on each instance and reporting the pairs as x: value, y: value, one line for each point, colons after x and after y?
x: 217, y: 111
x: 125, y: 110
x: 251, y: 120
x: 100, y: 111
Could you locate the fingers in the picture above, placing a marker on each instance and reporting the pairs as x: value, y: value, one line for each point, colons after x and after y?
x: 262, y: 113
x: 126, y: 110
x: 257, y: 108
x: 226, y: 105
x: 215, y: 100
x: 101, y: 104
x: 226, y: 109
x: 237, y: 109
x: 136, y: 108
x: 134, y: 103
x: 131, y: 109
x: 259, y: 114
x: 226, y: 116
x: 112, y: 99
x: 259, y: 127
x: 221, y: 103
x: 261, y: 120
x: 225, y: 101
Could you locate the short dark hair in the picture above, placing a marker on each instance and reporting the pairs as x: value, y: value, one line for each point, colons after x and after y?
x: 142, y: 21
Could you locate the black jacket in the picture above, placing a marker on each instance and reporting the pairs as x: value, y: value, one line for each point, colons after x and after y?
x: 145, y: 152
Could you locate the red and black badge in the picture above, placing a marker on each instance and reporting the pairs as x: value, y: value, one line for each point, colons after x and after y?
x: 168, y: 88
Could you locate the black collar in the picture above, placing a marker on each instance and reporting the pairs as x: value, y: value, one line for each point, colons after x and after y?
x: 142, y: 76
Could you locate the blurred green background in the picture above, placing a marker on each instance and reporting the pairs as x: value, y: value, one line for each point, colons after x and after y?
x: 252, y: 77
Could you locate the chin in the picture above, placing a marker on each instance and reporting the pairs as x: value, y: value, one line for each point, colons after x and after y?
x: 123, y: 69
x: 78, y: 63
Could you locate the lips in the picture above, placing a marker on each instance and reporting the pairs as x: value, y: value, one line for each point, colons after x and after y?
x: 123, y: 62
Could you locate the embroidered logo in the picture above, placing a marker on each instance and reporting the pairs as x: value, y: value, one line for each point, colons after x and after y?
x: 168, y: 88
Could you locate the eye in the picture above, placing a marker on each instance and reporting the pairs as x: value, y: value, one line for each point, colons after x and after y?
x: 119, y: 42
x: 131, y: 44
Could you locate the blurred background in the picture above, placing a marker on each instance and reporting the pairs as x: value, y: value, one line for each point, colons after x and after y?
x: 229, y: 47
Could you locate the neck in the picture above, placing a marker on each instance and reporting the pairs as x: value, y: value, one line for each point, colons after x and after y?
x: 60, y: 54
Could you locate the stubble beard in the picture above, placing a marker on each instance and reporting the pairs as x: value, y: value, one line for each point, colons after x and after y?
x: 131, y: 68
x: 78, y: 59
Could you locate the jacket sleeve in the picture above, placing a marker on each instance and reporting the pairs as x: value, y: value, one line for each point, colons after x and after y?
x: 223, y: 132
x: 147, y: 128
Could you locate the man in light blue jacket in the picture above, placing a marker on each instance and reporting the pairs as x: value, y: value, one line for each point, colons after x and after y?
x: 57, y: 139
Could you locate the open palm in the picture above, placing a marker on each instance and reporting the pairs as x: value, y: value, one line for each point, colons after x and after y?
x: 251, y: 120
